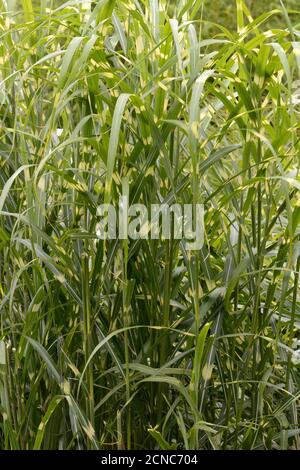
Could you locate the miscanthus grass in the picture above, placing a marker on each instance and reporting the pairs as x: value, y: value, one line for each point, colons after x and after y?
x: 140, y: 344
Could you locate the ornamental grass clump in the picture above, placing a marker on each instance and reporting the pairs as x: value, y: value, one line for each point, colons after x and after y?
x: 143, y: 344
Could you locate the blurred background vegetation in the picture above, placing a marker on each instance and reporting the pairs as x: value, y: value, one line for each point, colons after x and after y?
x: 215, y: 12
x: 223, y: 12
x: 218, y: 11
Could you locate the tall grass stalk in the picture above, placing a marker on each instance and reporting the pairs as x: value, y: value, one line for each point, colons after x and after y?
x: 137, y: 344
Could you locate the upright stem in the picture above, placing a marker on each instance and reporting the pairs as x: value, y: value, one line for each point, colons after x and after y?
x: 125, y: 191
x: 87, y: 339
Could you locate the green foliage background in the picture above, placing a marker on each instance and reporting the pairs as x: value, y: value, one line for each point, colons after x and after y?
x: 224, y: 11
x: 141, y: 344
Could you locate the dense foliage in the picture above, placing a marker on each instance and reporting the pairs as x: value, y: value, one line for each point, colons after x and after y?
x: 141, y: 344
